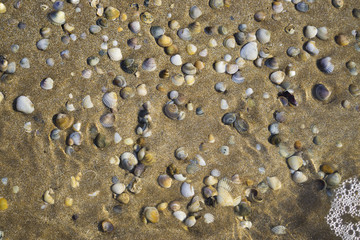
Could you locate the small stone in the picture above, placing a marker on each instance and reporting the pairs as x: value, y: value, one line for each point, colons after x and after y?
x: 68, y: 201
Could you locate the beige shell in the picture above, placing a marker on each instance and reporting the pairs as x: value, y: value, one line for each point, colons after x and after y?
x: 295, y: 162
x: 165, y: 41
x: 164, y: 181
x: 224, y: 197
x: 274, y: 183
x: 152, y: 214
x: 110, y: 100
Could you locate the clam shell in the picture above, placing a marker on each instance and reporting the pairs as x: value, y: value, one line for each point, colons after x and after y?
x: 279, y: 230
x: 333, y: 179
x: 133, y: 43
x: 200, y: 160
x: 43, y: 44
x: 172, y: 50
x: 57, y: 17
x: 240, y: 38
x: 231, y: 68
x: 191, y: 49
x: 310, y: 32
x: 209, y: 218
x: 178, y: 79
x: 210, y: 181
x: 274, y: 183
x: 180, y: 215
x: 325, y: 65
x: 47, y: 84
x: 249, y: 51
x: 152, y: 214
x: 118, y: 188
x: 184, y: 34
x: 299, y: 177
x: 111, y: 13
x: 190, y: 221
x: 115, y: 54
x: 164, y: 41
x: 24, y: 105
x: 277, y: 7
x: 164, y: 181
x: 86, y: 102
x: 119, y: 81
x: 229, y: 42
x: 220, y: 66
x: 181, y: 154
x: 195, y: 27
x: 129, y: 65
x: 295, y: 162
x: 157, y: 31
x: 237, y: 78
x: 74, y: 139
x: 263, y: 36
x: 224, y: 197
x: 149, y: 64
x: 55, y: 134
x: 171, y: 110
x: 187, y: 190
x: 320, y: 92
x: 176, y: 60
x: 302, y: 7
x: 63, y: 121
x: 127, y: 92
x: 229, y: 118
x: 195, y: 12
x: 134, y: 27
x: 107, y: 120
x: 179, y: 177
x: 215, y: 4
x: 277, y: 77
x: 189, y: 69
x: 146, y: 17
x: 128, y: 160
x: 311, y: 48
x: 110, y: 100
x: 322, y: 33
x: 174, y: 25
x: 241, y: 125
x: 272, y: 63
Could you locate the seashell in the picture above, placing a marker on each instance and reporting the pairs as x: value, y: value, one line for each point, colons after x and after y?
x: 176, y: 60
x: 274, y: 183
x: 157, y: 31
x: 223, y: 104
x: 47, y: 84
x: 107, y: 120
x: 139, y: 169
x: 279, y: 230
x: 209, y: 218
x: 195, y: 205
x: 212, y: 43
x: 342, y: 40
x: 248, y: 224
x: 220, y: 66
x: 24, y: 105
x: 179, y: 177
x: 47, y: 197
x: 263, y: 35
x: 123, y: 198
x: 241, y: 125
x: 74, y: 139
x: 192, y: 168
x: 180, y: 215
x: 86, y: 102
x: 333, y: 179
x: 134, y: 27
x: 337, y: 3
x: 216, y: 4
x: 277, y: 77
x: 66, y: 55
x: 349, y: 65
x: 224, y: 197
x: 128, y: 160
x: 174, y: 25
x: 325, y: 65
x: 152, y: 214
x: 254, y: 196
x: 191, y: 49
x: 231, y: 68
x: 178, y: 79
x: 302, y: 7
x: 195, y: 12
x: 195, y: 27
x: 149, y: 64
x: 354, y: 90
x: 260, y: 16
x: 3, y: 10
x: 299, y: 177
x: 293, y: 51
x: 190, y: 221
x: 129, y: 65
x: 118, y: 188
x: 164, y: 181
x: 209, y: 191
x: 141, y: 90
x: 114, y: 54
x: 187, y: 190
x: 229, y: 118
x: 171, y: 110
x: 148, y: 159
x: 164, y: 41
x: 184, y: 34
x: 164, y: 73
x: 310, y: 47
x: 146, y: 17
x: 320, y: 92
x: 133, y: 43
x: 229, y: 42
x: 240, y: 38
x: 101, y: 141
x: 295, y: 162
x: 322, y: 33
x: 119, y: 81
x: 63, y: 121
x: 215, y: 173
x: 94, y: 29
x: 181, y: 154
x: 249, y: 51
x: 110, y: 100
x: 237, y: 78
x: 55, y: 134
x: 210, y: 181
x: 175, y: 206
x: 274, y: 128
x: 4, y: 64
x: 310, y: 32
x: 189, y: 69
x: 93, y: 61
x: 111, y: 13
x: 57, y: 17
x: 203, y: 53
x: 200, y: 160
x: 272, y: 63
x: 189, y: 79
x: 171, y: 50
x: 180, y: 99
x: 43, y: 44
x: 277, y: 7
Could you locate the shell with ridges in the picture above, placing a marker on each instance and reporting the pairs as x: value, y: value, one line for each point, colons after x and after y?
x: 24, y: 105
x: 110, y: 100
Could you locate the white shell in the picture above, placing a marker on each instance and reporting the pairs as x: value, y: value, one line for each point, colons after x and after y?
x: 23, y: 104
x: 311, y: 48
x: 325, y: 65
x: 135, y: 27
x: 215, y: 173
x: 184, y: 34
x: 208, y: 218
x: 86, y: 102
x: 279, y: 230
x: 203, y: 53
x: 128, y: 160
x: 195, y: 12
x: 149, y: 64
x: 179, y: 177
x: 237, y: 77
x: 310, y: 32
x: 231, y: 68
x: 47, y: 84
x: 115, y: 54
x: 76, y: 126
x: 295, y: 162
x: 263, y: 35
x: 224, y: 197
x: 277, y: 77
x: 43, y: 44
x: 187, y: 190
x: 220, y: 66
x: 274, y: 183
x: 57, y: 17
x: 249, y: 51
x: 176, y: 60
x: 210, y: 181
x: 180, y: 215
x: 76, y: 138
x: 299, y: 177
x: 141, y: 90
x: 200, y: 160
x: 190, y: 221
x: 246, y: 224
x: 110, y: 99
x: 223, y: 104
x: 118, y: 188
x: 322, y: 33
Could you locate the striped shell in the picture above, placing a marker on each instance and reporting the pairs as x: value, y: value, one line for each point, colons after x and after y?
x: 110, y: 99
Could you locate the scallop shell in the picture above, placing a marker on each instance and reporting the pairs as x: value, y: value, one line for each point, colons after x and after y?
x: 190, y: 221
x: 209, y: 218
x: 107, y: 120
x: 180, y: 215
x: 152, y: 214
x: 187, y: 190
x: 171, y: 110
x: 274, y: 183
x: 110, y: 100
x: 184, y: 34
x: 325, y: 65
x: 299, y: 177
x: 128, y: 160
x: 149, y: 64
x: 24, y: 105
x: 279, y: 230
x: 311, y: 48
x: 224, y: 197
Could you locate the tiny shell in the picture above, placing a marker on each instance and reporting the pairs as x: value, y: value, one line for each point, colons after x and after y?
x: 176, y: 60
x: 47, y: 84
x: 195, y: 12
x: 63, y: 121
x: 208, y: 218
x: 110, y: 100
x: 171, y: 110
x: 86, y: 102
x: 229, y: 42
x: 189, y: 69
x: 187, y: 190
x: 322, y: 33
x: 279, y: 230
x: 178, y: 79
x: 181, y: 154
x: 180, y: 215
x: 128, y: 160
x: 118, y: 188
x: 43, y: 44
x: 224, y: 197
x: 74, y: 139
x: 149, y: 64
x: 191, y: 49
x: 277, y: 77
x: 115, y: 54
x: 310, y: 32
x: 210, y: 181
x: 184, y: 34
x: 311, y: 48
x: 134, y: 27
x: 57, y: 17
x: 107, y: 120
x: 165, y: 41
x: 263, y: 36
x: 179, y: 177
x: 24, y: 105
x: 325, y: 65
x: 295, y: 162
x: 220, y: 66
x: 249, y: 51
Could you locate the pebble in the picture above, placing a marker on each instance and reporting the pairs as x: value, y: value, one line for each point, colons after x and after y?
x: 225, y: 150
x: 223, y: 104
